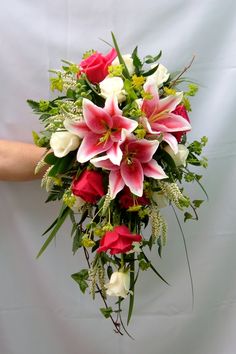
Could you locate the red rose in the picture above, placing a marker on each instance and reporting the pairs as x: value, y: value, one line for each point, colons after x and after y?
x: 118, y: 241
x: 89, y: 186
x: 127, y: 199
x: 96, y: 66
x: 181, y: 111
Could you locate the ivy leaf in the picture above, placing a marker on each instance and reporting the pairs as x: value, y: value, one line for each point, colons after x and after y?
x: 197, y: 203
x: 81, y: 278
x: 187, y: 216
x: 106, y: 311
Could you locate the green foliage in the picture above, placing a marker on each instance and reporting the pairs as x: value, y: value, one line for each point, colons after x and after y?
x: 60, y: 220
x: 77, y: 240
x: 106, y: 311
x: 197, y: 203
x: 187, y: 216
x: 81, y: 279
x: 56, y: 83
x: 149, y: 59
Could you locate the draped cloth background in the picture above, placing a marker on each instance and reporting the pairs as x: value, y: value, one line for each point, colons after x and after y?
x: 41, y: 309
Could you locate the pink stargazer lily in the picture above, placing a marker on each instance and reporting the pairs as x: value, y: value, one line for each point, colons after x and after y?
x: 159, y: 118
x: 102, y: 130
x: 136, y: 162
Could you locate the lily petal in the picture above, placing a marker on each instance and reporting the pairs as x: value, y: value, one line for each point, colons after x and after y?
x: 111, y: 106
x: 170, y: 122
x: 115, y: 154
x: 116, y: 183
x: 172, y: 141
x: 95, y: 117
x: 92, y: 146
x: 149, y: 106
x: 79, y: 128
x: 143, y: 149
x: 153, y: 170
x: 104, y: 162
x: 132, y: 175
x: 169, y: 103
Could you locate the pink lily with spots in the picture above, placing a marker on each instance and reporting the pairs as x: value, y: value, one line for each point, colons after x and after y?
x: 136, y: 163
x: 101, y: 130
x: 159, y: 119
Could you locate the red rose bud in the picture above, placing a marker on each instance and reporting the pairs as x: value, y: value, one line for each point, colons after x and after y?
x: 180, y: 110
x: 127, y: 199
x: 96, y: 66
x: 89, y: 186
x: 118, y: 241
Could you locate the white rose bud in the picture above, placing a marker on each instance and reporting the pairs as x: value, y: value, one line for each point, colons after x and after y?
x: 113, y: 86
x: 119, y: 284
x: 161, y: 200
x: 128, y: 62
x: 159, y: 76
x: 63, y: 142
x: 181, y: 156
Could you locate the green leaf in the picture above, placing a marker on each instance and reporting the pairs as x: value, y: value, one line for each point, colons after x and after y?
x: 61, y: 218
x: 187, y: 216
x: 149, y: 59
x: 51, y: 159
x: 106, y: 311
x: 34, y: 105
x: 121, y: 60
x: 132, y: 284
x: 62, y: 165
x: 197, y: 203
x: 154, y: 269
x: 77, y: 240
x: 144, y: 265
x: 81, y: 278
x: 136, y: 60
x: 150, y: 72
x: 109, y: 271
x: 159, y: 245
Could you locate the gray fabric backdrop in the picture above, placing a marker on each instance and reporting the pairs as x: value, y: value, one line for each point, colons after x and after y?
x: 41, y: 309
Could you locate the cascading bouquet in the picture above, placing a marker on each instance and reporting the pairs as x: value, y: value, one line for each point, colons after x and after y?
x: 116, y: 155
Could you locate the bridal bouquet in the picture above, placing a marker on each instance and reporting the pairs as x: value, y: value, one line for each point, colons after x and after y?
x: 116, y: 155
